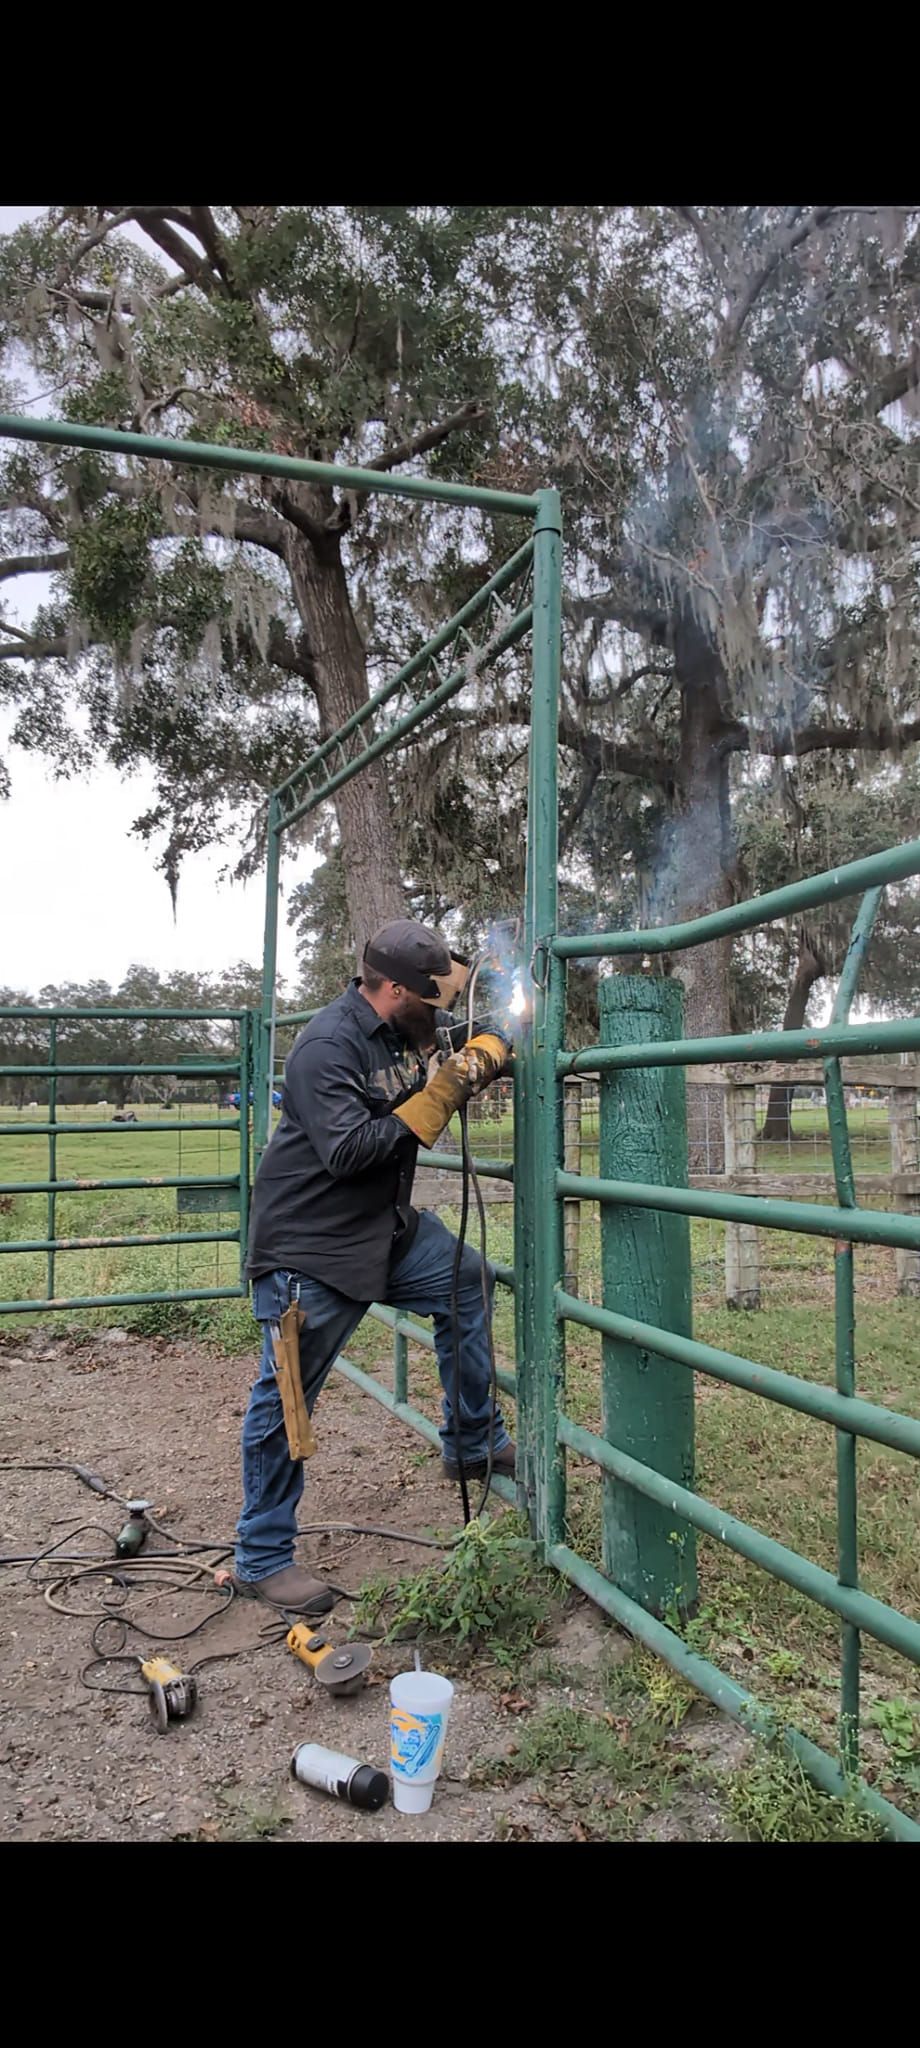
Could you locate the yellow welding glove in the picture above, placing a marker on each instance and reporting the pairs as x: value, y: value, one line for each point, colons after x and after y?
x: 448, y: 1087
x: 489, y: 1056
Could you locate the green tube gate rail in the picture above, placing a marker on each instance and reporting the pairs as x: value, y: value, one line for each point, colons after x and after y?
x: 645, y: 1455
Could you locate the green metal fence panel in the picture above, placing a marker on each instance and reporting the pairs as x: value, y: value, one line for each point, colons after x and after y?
x: 197, y: 1194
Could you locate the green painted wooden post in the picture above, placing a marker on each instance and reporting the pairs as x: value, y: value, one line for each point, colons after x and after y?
x: 645, y: 1257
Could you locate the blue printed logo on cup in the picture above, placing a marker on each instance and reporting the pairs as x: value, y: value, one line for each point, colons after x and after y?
x: 415, y: 1741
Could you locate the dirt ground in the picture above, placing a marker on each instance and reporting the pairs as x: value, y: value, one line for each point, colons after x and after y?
x: 161, y: 1419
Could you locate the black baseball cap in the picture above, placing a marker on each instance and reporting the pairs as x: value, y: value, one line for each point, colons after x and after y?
x: 420, y: 959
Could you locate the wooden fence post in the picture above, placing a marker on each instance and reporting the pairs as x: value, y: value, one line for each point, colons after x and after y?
x: 742, y: 1242
x: 571, y: 1114
x: 905, y: 1159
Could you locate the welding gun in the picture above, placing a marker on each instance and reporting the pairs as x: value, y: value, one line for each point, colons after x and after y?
x: 452, y: 1037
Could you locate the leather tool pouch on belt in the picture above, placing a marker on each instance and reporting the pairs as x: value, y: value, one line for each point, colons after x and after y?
x: 286, y: 1347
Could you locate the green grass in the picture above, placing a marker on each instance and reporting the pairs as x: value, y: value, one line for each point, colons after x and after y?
x: 771, y: 1800
x: 122, y: 1153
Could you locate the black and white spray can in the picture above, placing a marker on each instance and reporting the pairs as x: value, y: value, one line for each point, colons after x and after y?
x: 359, y: 1784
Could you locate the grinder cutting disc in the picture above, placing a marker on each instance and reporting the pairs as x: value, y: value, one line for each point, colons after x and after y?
x: 344, y: 1671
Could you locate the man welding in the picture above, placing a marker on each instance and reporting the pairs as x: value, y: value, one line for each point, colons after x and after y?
x: 333, y: 1229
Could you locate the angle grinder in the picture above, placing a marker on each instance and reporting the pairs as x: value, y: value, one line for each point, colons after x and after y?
x: 173, y: 1693
x: 340, y: 1667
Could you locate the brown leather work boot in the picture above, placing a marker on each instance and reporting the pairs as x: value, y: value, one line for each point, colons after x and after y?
x: 291, y: 1588
x: 503, y: 1465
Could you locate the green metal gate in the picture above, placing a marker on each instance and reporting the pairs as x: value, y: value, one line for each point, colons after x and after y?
x: 210, y: 1193
x: 645, y: 1456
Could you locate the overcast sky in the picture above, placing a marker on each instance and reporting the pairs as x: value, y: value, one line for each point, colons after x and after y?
x: 80, y: 896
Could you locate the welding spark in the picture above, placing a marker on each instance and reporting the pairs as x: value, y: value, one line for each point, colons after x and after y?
x: 518, y: 1003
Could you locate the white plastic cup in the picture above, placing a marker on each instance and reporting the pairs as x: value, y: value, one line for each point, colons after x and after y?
x: 419, y: 1707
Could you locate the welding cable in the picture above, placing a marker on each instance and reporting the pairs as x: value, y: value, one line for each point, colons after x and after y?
x: 487, y: 1315
x: 269, y: 1638
x: 188, y: 1546
x: 171, y: 1579
x: 81, y: 1472
x: 455, y: 1314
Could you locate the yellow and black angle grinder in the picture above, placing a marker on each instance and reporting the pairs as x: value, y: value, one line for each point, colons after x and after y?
x: 340, y: 1667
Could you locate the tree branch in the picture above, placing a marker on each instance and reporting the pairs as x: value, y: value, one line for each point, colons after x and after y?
x: 573, y: 816
x: 34, y: 565
x: 102, y: 230
x: 611, y: 758
x: 612, y: 609
x: 298, y: 516
x: 129, y: 302
x: 194, y: 267
x: 282, y: 651
x: 707, y: 242
x: 813, y: 739
x: 37, y: 649
x: 789, y: 240
x: 419, y: 444
x: 205, y: 227
x: 896, y: 382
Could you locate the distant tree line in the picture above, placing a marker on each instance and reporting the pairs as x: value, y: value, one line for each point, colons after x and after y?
x: 129, y: 1042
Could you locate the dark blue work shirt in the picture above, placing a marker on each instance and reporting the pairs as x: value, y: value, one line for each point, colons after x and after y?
x: 332, y: 1197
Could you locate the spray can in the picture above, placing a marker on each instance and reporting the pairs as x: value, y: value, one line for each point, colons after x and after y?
x: 359, y: 1784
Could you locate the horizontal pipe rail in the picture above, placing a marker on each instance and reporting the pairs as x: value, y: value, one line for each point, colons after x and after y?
x: 405, y: 1327
x: 260, y: 462
x: 848, y: 880
x: 903, y: 1036
x: 862, y: 1609
x: 477, y: 604
x: 296, y: 1017
x: 813, y: 1219
x: 149, y: 1180
x: 731, y: 1699
x: 109, y: 1244
x: 182, y: 1070
x: 401, y: 727
x: 413, y: 1416
x: 113, y: 1130
x: 487, y: 1169
x: 34, y: 1308
x: 861, y: 1418
x: 29, y: 1011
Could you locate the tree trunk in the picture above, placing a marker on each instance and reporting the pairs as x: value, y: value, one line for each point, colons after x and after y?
x: 373, y: 885
x: 777, y: 1123
x: 701, y: 884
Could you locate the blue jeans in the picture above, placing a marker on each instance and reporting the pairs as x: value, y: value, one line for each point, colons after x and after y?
x: 272, y: 1481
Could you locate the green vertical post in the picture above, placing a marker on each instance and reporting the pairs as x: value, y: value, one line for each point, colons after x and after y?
x: 648, y: 1403
x: 845, y: 1337
x: 539, y: 1213
x: 246, y: 1078
x: 400, y: 1366
x: 263, y: 1082
x: 523, y: 1269
x: 51, y: 1232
